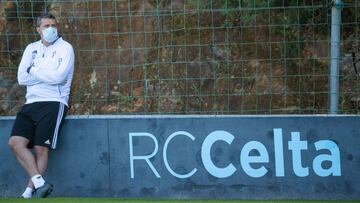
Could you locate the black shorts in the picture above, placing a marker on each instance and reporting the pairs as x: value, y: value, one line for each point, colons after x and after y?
x: 40, y: 123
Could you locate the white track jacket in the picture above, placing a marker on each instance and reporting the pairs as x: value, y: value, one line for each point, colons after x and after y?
x: 52, y: 72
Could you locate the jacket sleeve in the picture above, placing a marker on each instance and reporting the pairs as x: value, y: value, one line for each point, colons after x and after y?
x: 24, y: 78
x: 57, y: 73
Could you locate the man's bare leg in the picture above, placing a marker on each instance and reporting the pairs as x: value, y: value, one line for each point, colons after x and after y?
x: 26, y: 159
x: 41, y: 159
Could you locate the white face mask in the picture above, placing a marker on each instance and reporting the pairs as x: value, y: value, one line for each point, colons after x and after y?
x: 50, y: 34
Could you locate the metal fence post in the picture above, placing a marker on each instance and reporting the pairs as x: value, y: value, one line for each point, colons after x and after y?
x: 335, y: 56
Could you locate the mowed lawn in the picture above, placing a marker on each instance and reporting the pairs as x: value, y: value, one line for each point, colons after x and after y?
x: 107, y: 200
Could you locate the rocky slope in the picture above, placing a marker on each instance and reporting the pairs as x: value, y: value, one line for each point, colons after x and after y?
x: 146, y: 57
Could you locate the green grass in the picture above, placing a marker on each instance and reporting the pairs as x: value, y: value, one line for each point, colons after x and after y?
x: 107, y: 200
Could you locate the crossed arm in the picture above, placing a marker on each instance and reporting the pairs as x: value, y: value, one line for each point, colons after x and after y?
x: 38, y: 70
x: 24, y: 78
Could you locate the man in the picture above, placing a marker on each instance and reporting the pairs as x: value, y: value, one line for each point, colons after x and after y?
x: 46, y: 69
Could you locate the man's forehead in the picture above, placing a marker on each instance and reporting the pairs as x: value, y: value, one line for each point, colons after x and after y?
x: 46, y: 21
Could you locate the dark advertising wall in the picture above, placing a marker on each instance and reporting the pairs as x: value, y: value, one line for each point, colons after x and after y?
x: 225, y: 157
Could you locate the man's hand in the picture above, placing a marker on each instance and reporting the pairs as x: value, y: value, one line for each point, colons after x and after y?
x: 29, y: 68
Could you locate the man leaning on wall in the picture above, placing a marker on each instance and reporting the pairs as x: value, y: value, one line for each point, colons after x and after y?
x: 46, y: 70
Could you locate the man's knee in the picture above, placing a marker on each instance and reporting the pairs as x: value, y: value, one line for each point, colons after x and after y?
x: 41, y: 151
x: 12, y: 143
x: 16, y: 142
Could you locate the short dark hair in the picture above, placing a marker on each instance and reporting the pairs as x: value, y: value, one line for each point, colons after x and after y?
x: 42, y: 16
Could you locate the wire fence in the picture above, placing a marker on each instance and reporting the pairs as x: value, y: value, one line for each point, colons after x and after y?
x: 191, y: 57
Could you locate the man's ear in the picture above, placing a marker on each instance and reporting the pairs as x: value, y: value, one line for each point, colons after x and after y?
x: 38, y: 29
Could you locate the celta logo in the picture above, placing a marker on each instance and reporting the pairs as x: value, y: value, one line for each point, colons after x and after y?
x: 295, y: 147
